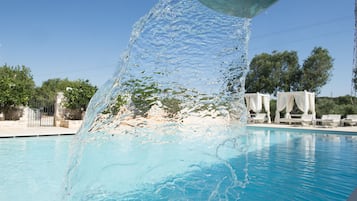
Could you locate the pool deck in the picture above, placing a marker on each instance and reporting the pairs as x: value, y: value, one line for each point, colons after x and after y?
x: 10, y: 132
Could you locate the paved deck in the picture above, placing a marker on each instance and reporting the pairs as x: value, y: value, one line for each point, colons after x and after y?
x: 6, y: 132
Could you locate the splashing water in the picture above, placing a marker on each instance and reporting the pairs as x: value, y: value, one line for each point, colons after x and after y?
x: 172, y: 114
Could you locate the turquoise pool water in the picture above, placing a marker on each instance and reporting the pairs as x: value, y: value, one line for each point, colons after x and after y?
x: 33, y: 168
x: 279, y: 165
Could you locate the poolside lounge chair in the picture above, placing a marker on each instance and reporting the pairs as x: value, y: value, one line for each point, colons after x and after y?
x: 304, y: 119
x: 331, y: 120
x: 258, y: 118
x: 351, y: 120
x: 288, y: 120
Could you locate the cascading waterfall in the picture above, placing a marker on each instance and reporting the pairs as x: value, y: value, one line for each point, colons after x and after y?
x: 171, y: 118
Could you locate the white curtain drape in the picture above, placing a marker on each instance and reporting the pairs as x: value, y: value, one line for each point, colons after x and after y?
x: 305, y: 101
x: 266, y: 102
x: 256, y: 101
x: 247, y: 102
x: 312, y: 105
x: 282, y: 100
x: 302, y: 101
x: 289, y: 106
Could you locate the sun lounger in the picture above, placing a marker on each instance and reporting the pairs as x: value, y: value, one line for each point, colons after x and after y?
x: 290, y: 119
x: 331, y: 120
x: 258, y: 118
x: 304, y: 119
x: 350, y: 120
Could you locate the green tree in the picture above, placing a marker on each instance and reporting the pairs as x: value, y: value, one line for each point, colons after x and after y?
x: 259, y: 77
x: 78, y: 94
x: 46, y: 94
x: 289, y: 68
x: 343, y: 105
x: 16, y: 87
x: 270, y: 73
x: 316, y: 70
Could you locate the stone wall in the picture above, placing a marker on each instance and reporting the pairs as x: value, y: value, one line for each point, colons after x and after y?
x: 59, y: 109
x: 20, y: 116
x: 62, y: 115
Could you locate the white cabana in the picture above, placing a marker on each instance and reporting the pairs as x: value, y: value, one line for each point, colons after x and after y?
x: 256, y: 101
x: 304, y: 100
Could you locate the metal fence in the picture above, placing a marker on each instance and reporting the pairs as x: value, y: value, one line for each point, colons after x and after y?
x: 41, y: 115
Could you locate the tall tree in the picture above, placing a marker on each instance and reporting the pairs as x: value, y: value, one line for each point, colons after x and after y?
x: 16, y: 87
x: 46, y: 94
x: 78, y: 94
x: 287, y: 64
x: 316, y: 70
x: 260, y: 77
x: 270, y: 73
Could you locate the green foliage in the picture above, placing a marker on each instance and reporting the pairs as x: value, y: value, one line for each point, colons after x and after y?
x: 340, y: 105
x: 289, y: 69
x: 143, y: 95
x: 78, y: 94
x: 345, y: 100
x: 16, y: 86
x: 270, y: 73
x: 280, y: 71
x: 259, y: 77
x: 317, y: 69
x: 172, y: 106
x: 46, y: 94
x: 119, y: 103
x: 115, y: 108
x: 325, y: 106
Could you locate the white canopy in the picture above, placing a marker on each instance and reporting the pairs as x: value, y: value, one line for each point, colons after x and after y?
x: 255, y: 102
x: 304, y: 100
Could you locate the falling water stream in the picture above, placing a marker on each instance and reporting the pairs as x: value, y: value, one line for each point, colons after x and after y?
x: 166, y: 124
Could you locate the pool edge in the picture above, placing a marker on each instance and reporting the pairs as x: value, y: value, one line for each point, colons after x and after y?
x: 330, y: 130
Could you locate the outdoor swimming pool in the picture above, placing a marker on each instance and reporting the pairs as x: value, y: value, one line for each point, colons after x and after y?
x: 281, y: 164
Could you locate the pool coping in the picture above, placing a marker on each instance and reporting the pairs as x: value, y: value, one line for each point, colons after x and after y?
x: 346, y: 130
x: 16, y: 132
x: 21, y: 132
x: 36, y: 135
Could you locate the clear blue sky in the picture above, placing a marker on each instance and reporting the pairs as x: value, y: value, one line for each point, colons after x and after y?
x: 84, y: 39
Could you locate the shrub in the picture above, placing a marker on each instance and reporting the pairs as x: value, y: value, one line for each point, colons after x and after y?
x: 343, y: 105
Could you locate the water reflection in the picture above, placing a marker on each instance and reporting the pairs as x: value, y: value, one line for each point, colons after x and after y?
x: 308, y: 165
